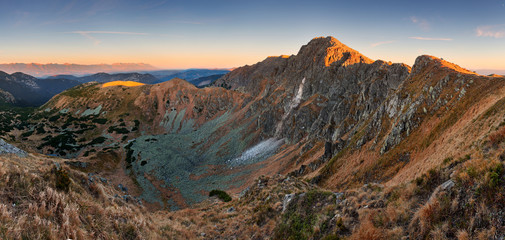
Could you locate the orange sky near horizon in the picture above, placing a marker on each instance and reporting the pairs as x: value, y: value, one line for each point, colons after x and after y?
x: 228, y: 34
x: 226, y: 61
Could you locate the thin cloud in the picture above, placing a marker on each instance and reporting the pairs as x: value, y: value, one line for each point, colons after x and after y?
x: 496, y: 31
x: 381, y: 43
x: 187, y: 22
x: 431, y: 39
x: 422, y: 23
x: 89, y: 34
x: 108, y: 32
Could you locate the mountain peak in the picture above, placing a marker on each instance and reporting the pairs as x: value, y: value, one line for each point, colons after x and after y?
x: 424, y: 61
x: 328, y: 50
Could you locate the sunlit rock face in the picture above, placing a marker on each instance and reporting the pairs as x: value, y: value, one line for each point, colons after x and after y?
x: 335, y: 89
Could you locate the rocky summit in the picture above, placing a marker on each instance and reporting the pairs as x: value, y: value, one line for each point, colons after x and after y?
x: 324, y: 144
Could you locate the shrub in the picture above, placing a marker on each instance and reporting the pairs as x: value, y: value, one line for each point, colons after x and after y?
x: 448, y: 160
x: 118, y: 130
x: 62, y: 180
x: 98, y: 140
x: 100, y: 120
x: 220, y: 194
x: 498, y: 136
x: 495, y: 175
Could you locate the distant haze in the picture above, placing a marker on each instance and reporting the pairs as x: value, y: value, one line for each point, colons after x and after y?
x: 44, y: 70
x: 490, y: 71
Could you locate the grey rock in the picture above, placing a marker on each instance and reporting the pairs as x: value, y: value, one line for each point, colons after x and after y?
x: 6, y: 148
x: 122, y: 188
x: 287, y: 199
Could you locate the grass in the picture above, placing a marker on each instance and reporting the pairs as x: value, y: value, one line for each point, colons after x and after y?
x: 39, y: 202
x: 498, y: 136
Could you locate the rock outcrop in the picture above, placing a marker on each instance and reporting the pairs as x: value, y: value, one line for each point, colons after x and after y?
x: 6, y: 148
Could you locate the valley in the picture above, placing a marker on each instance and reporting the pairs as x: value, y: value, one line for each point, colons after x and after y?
x: 324, y: 144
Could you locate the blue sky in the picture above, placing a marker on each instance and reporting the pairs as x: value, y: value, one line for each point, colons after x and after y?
x: 183, y: 34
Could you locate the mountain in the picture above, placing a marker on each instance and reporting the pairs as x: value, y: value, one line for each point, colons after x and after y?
x: 23, y: 88
x: 197, y: 77
x: 6, y: 97
x: 63, y: 76
x: 326, y: 143
x: 43, y: 70
x: 192, y: 74
x: 206, y: 81
x: 163, y: 73
x: 56, y: 85
x: 105, y: 77
x: 26, y: 90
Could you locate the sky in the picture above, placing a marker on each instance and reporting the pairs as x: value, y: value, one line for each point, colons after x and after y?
x: 224, y: 34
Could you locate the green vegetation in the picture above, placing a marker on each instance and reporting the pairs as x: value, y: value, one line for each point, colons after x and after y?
x: 129, y: 155
x: 98, y: 140
x: 429, y: 181
x: 62, y: 143
x: 220, y: 194
x: 112, y: 129
x: 299, y: 220
x: 99, y: 120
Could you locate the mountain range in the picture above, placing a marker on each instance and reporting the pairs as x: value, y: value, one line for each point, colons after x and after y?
x: 25, y: 90
x: 324, y: 144
x: 44, y: 70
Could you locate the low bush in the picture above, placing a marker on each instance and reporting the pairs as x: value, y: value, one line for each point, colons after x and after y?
x: 220, y: 194
x: 62, y: 180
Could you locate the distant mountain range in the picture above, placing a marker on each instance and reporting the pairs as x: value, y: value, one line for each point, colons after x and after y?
x: 26, y: 90
x: 198, y: 77
x: 105, y: 77
x: 44, y: 70
x: 192, y: 74
x: 206, y: 81
x: 490, y: 71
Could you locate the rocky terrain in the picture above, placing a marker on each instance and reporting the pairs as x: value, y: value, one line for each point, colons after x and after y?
x: 324, y: 144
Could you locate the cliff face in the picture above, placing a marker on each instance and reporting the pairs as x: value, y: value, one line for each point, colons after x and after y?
x: 375, y: 117
x: 337, y: 87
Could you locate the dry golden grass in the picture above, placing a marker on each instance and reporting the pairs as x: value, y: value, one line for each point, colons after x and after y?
x: 498, y: 136
x: 32, y: 208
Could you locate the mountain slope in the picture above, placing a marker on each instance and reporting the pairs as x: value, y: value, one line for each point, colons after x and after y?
x: 192, y: 74
x: 104, y: 77
x: 100, y: 125
x: 30, y: 91
x: 206, y: 81
x: 6, y: 97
